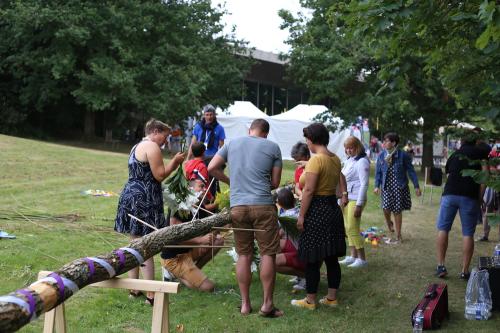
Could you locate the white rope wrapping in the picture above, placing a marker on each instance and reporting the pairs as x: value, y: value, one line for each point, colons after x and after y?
x: 103, y: 263
x: 22, y: 303
x: 67, y: 283
x: 136, y: 254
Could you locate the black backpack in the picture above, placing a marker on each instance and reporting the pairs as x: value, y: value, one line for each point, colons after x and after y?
x: 436, y: 176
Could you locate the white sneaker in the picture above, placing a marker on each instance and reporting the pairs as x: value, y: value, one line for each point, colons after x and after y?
x: 358, y: 263
x: 347, y: 260
x: 295, y: 279
x: 301, y: 284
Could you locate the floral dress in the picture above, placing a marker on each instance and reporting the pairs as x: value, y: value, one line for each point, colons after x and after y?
x: 141, y: 197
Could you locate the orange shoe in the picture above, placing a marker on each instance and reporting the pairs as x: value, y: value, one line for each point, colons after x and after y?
x: 303, y: 303
x: 328, y: 302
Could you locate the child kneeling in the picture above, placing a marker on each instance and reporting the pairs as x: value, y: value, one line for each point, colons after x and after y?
x: 287, y: 261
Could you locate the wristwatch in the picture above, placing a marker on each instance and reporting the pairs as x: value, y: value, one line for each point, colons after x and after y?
x: 344, y: 193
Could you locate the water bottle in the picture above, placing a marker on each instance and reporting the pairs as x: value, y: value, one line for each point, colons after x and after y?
x: 418, y: 323
x: 477, y: 311
x: 496, y: 256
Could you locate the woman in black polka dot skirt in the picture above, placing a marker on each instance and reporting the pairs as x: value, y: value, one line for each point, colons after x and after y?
x: 320, y: 219
x: 394, y: 166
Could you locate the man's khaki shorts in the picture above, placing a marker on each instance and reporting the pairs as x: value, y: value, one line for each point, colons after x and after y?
x: 184, y: 268
x: 256, y: 217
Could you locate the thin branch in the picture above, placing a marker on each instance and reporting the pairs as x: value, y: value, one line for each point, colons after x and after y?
x: 239, y: 229
x: 141, y: 221
x: 198, y: 246
x: 202, y: 199
x: 29, y: 220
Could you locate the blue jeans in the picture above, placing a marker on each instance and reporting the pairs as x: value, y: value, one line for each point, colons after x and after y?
x: 468, y: 209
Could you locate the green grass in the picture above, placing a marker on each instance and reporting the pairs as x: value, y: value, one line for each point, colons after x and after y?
x: 48, y: 178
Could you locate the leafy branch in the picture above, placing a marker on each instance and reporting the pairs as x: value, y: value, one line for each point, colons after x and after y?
x: 289, y: 225
x: 490, y: 179
x: 177, y: 185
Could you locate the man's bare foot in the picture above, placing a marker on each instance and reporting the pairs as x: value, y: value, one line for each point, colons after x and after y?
x: 245, y: 310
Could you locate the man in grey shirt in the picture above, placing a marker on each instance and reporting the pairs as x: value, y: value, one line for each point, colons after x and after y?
x: 254, y: 170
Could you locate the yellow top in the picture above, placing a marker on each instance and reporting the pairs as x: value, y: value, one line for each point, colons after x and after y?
x: 328, y: 170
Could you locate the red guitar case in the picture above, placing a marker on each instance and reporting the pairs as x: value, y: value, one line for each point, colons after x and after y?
x: 434, y: 305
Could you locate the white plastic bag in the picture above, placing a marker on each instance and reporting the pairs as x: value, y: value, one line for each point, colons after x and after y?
x: 478, y: 296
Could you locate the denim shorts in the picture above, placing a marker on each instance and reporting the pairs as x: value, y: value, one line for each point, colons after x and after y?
x: 468, y: 209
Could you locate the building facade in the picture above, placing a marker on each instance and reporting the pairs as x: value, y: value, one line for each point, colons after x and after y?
x: 266, y: 85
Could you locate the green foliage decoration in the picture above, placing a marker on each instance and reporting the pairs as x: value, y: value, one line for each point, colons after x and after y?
x: 222, y: 199
x: 177, y: 184
x: 289, y: 225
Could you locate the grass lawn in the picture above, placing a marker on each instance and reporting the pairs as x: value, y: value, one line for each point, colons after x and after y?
x: 47, y: 179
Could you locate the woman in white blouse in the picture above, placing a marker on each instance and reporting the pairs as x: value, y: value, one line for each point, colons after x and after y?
x: 357, y: 172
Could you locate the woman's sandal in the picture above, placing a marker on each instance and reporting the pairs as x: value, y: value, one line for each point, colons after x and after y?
x: 135, y: 294
x: 150, y: 301
x: 273, y: 313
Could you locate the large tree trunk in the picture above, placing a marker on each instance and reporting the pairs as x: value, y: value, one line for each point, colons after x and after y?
x: 47, y: 294
x: 89, y: 125
x: 427, y: 146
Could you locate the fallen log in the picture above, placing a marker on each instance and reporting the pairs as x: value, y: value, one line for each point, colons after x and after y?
x: 24, y: 305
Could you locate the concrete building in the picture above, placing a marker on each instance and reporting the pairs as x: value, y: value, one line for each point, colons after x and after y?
x: 266, y: 85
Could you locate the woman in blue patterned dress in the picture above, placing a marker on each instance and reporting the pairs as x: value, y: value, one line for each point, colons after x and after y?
x: 142, y: 195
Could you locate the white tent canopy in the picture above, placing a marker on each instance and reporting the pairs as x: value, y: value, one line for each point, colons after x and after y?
x: 285, y: 132
x: 302, y: 112
x: 307, y: 113
x: 242, y: 109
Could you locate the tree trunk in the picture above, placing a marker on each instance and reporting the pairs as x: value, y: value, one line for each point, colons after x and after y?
x: 45, y: 295
x: 89, y: 125
x: 427, y: 146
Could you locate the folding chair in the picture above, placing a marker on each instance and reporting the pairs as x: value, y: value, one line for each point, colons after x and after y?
x: 428, y: 185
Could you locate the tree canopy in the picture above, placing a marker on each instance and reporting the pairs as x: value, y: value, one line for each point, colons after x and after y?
x: 456, y: 40
x: 398, y: 62
x: 63, y: 62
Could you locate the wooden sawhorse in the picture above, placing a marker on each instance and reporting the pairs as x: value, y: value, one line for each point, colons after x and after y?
x: 55, y: 320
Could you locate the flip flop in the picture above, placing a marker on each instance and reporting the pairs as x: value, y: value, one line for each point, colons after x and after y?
x: 273, y: 313
x: 150, y: 301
